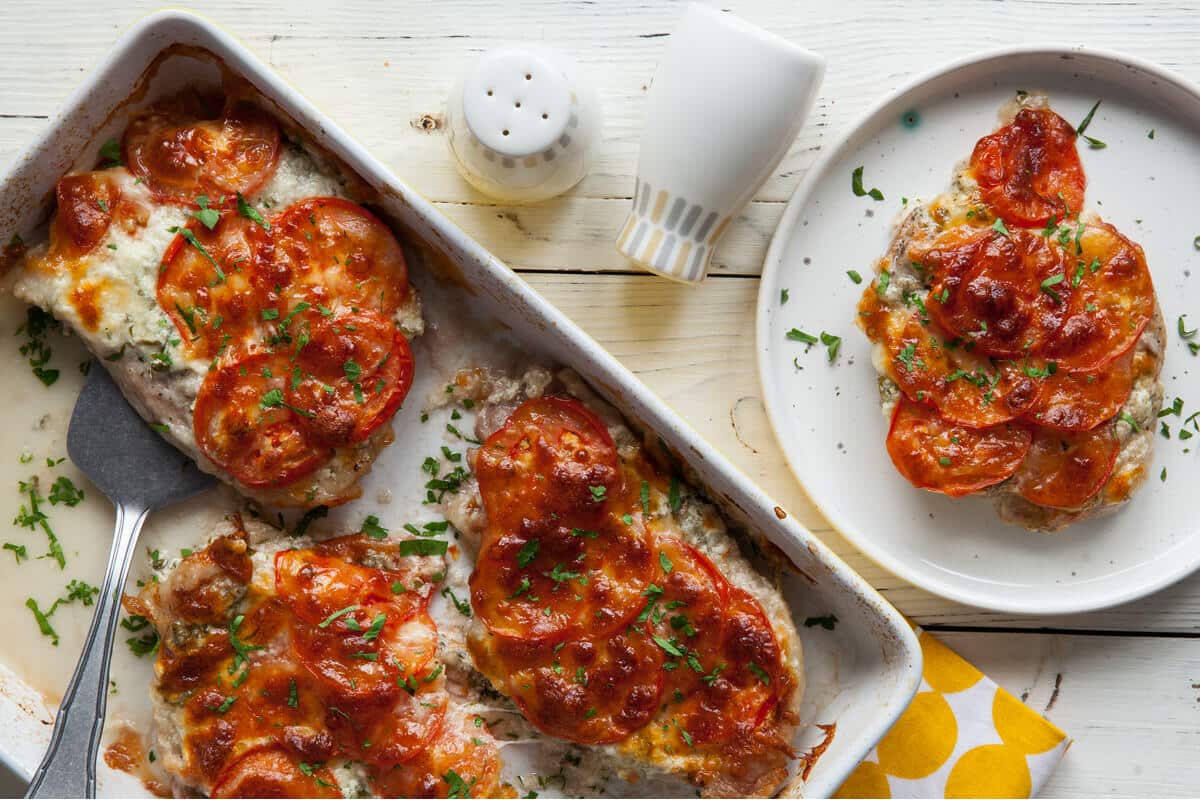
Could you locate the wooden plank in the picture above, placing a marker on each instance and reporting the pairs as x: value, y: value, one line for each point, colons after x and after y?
x: 1131, y: 704
x: 352, y: 64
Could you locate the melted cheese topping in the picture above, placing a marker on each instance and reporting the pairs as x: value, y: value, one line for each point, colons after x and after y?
x: 108, y: 297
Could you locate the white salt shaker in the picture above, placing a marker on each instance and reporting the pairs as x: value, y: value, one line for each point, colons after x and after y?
x: 521, y: 125
x: 727, y: 101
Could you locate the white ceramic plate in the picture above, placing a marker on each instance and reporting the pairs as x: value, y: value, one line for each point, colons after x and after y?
x: 827, y: 417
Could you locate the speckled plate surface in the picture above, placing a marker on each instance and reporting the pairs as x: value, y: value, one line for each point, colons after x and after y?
x: 826, y: 416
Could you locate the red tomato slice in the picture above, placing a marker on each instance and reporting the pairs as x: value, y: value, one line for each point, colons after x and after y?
x: 190, y: 145
x: 395, y: 733
x: 567, y: 581
x: 935, y: 454
x: 988, y: 288
x: 461, y: 751
x: 210, y: 294
x: 968, y: 389
x: 336, y: 254
x: 242, y: 426
x: 1065, y: 469
x: 1079, y: 401
x: 1111, y: 301
x: 363, y: 672
x: 317, y: 586
x: 737, y: 683
x: 553, y: 456
x: 556, y: 537
x: 595, y: 690
x: 351, y: 376
x: 1029, y: 170
x: 86, y: 204
x: 271, y: 771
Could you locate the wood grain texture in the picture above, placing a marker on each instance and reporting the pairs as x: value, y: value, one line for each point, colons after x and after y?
x: 1130, y: 701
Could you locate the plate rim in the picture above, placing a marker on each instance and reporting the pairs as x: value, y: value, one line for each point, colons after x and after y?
x: 773, y: 264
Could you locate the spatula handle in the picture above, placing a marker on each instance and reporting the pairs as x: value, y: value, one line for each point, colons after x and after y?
x: 69, y: 767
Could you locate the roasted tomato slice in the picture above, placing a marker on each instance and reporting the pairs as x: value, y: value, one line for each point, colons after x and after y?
x: 351, y: 376
x: 207, y: 282
x: 1065, y: 469
x: 1110, y: 302
x: 558, y: 557
x: 86, y: 204
x: 935, y: 454
x: 967, y: 388
x: 271, y: 771
x: 393, y: 733
x: 988, y: 288
x: 1079, y: 401
x: 736, y: 685
x: 191, y: 144
x: 552, y: 457
x: 461, y: 761
x: 317, y: 586
x: 336, y: 254
x: 362, y: 668
x: 1029, y: 170
x: 594, y: 690
x: 243, y: 426
x: 551, y: 581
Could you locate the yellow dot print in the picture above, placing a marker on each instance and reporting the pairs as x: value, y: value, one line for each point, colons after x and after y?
x: 993, y: 770
x: 921, y: 740
x: 944, y: 669
x: 1020, y: 727
x: 867, y: 780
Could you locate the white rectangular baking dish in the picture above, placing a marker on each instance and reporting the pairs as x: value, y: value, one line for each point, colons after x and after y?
x: 860, y: 676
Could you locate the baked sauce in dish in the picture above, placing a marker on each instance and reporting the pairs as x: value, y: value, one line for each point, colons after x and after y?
x: 252, y: 311
x: 310, y: 672
x: 1017, y: 335
x: 606, y: 629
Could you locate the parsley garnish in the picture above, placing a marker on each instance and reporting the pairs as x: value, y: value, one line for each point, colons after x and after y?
x: 422, y: 547
x: 856, y: 185
x: 207, y: 217
x: 248, y: 211
x: 527, y: 553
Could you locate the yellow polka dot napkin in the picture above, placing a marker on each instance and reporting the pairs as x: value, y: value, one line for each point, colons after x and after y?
x: 963, y: 736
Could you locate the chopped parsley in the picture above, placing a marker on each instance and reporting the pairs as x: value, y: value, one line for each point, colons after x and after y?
x: 783, y: 296
x: 208, y: 217
x: 463, y: 606
x: 248, y: 211
x: 759, y: 673
x: 599, y: 493
x: 884, y: 281
x: 832, y: 343
x: 1125, y: 417
x: 854, y: 276
x: 65, y: 492
x: 1095, y: 144
x: 646, y: 498
x: 335, y: 616
x: 372, y: 529
x: 999, y: 227
x: 527, y: 553
x: 856, y: 186
x: 423, y: 547
x: 1049, y: 284
x: 457, y: 787
x: 797, y: 335
x: 664, y: 561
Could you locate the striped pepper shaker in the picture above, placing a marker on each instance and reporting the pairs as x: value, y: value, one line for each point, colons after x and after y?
x: 727, y: 101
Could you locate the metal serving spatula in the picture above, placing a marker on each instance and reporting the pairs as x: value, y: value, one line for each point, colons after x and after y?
x: 140, y: 472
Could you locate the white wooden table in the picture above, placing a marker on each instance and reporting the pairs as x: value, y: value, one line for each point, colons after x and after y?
x: 1125, y: 683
